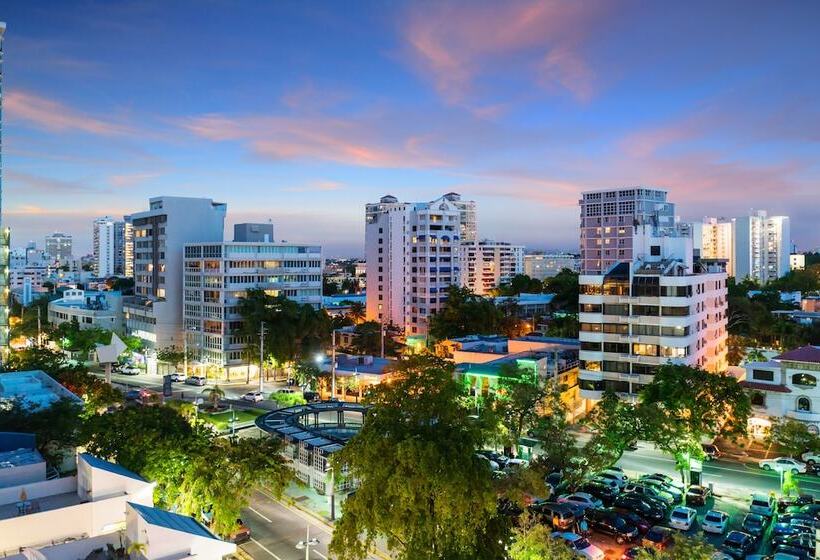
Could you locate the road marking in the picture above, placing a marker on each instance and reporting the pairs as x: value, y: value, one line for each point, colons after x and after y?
x: 260, y: 515
x: 315, y: 523
x: 263, y: 547
x: 319, y: 553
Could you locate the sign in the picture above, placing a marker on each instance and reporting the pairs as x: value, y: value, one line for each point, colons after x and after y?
x: 167, y: 390
x: 695, y: 465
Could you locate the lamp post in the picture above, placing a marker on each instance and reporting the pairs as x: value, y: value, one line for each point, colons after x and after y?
x: 262, y: 358
x: 307, y: 543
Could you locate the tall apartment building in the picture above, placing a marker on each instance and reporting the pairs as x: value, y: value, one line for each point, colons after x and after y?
x: 217, y: 275
x: 4, y: 232
x: 609, y: 219
x: 127, y: 247
x: 487, y: 264
x: 546, y: 265
x: 154, y: 313
x: 108, y: 241
x: 413, y: 253
x: 715, y: 239
x: 658, y: 306
x: 762, y: 247
x: 59, y: 246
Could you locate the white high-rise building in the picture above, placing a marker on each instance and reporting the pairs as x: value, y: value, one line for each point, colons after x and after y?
x: 659, y: 306
x: 154, y: 313
x: 103, y: 243
x: 715, y: 239
x: 762, y: 247
x: 413, y: 255
x: 59, y: 247
x: 546, y: 265
x: 127, y: 247
x: 486, y: 264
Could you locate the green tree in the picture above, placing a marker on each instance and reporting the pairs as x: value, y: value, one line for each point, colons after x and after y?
x: 368, y: 339
x: 215, y: 395
x: 615, y: 424
x: 682, y: 548
x: 357, y: 312
x: 71, y: 337
x: 684, y: 405
x: 174, y: 355
x: 520, y: 401
x: 520, y: 284
x: 564, y: 326
x: 792, y: 437
x: 57, y: 428
x: 565, y: 287
x: 465, y: 313
x: 421, y: 486
x: 307, y: 374
x: 27, y: 324
x: 533, y: 541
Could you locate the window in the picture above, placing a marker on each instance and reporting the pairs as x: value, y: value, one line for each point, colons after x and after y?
x: 762, y: 375
x: 758, y: 398
x: 590, y: 308
x: 804, y: 379
x: 645, y: 349
x: 646, y: 310
x: 804, y: 404
x: 674, y: 311
x: 646, y: 330
x: 616, y: 347
x: 616, y: 309
x: 655, y: 250
x: 593, y: 346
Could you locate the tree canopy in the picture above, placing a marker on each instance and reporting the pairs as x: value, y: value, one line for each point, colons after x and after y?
x: 792, y: 437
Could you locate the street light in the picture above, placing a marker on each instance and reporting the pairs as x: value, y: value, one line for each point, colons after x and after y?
x: 307, y: 543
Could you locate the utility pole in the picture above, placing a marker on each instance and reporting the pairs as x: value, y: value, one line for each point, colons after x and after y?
x: 261, y: 357
x: 185, y: 352
x: 382, y: 336
x: 39, y: 326
x: 333, y: 364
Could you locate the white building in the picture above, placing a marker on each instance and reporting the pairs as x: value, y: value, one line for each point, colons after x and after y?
x: 785, y: 387
x: 59, y: 246
x: 546, y: 265
x: 154, y: 314
x: 90, y: 309
x: 797, y: 261
x: 657, y: 308
x: 127, y: 247
x: 413, y: 255
x: 762, y: 247
x: 715, y: 239
x: 217, y: 275
x: 488, y: 264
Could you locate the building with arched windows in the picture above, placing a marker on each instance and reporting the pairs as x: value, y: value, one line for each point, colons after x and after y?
x: 785, y: 386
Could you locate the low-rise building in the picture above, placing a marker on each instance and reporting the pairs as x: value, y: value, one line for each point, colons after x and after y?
x: 542, y: 266
x: 90, y: 309
x: 355, y: 375
x: 528, y: 305
x: 34, y: 388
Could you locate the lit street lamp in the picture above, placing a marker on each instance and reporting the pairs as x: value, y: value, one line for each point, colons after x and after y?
x: 307, y: 543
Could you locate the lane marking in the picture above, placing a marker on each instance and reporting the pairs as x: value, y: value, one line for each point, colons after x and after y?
x: 263, y: 547
x: 319, y: 553
x: 294, y: 510
x: 260, y: 515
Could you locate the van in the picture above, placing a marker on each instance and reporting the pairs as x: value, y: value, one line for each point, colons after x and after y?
x: 559, y: 516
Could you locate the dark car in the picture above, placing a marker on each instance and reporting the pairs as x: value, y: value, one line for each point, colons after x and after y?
x: 500, y: 459
x: 786, y: 502
x: 788, y: 529
x: 813, y: 509
x: 802, y: 540
x: 641, y: 506
x: 738, y: 544
x: 799, y: 517
x: 603, y: 492
x: 610, y: 522
x: 658, y: 537
x: 552, y: 514
x: 755, y: 524
x: 311, y: 396
x: 241, y: 534
x: 697, y: 495
x: 711, y: 450
x: 133, y: 395
x: 642, y: 524
x: 800, y: 553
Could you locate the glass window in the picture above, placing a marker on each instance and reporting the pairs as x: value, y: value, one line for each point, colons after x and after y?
x: 804, y: 404
x: 763, y: 375
x: 804, y: 379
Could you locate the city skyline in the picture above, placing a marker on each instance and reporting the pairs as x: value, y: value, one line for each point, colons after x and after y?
x: 303, y: 114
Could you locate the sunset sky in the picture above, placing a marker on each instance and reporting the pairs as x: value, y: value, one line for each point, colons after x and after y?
x: 301, y: 112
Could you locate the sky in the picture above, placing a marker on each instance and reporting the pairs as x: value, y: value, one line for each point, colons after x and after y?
x: 302, y: 112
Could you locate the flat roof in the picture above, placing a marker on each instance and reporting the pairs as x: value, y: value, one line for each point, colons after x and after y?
x: 19, y: 457
x: 287, y: 424
x: 34, y: 387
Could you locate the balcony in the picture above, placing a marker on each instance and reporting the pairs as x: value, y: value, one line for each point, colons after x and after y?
x: 804, y: 416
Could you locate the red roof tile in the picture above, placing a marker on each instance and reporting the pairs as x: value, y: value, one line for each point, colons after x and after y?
x: 802, y: 354
x: 765, y: 387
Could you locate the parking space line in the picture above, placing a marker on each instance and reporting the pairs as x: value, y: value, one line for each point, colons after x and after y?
x: 260, y: 515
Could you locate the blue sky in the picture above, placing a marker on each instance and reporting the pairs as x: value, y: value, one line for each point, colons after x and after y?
x: 301, y: 112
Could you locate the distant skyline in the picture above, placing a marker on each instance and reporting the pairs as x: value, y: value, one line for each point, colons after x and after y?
x: 301, y: 113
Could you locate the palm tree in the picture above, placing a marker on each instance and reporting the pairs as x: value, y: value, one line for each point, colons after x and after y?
x: 136, y: 550
x: 357, y: 312
x: 215, y: 394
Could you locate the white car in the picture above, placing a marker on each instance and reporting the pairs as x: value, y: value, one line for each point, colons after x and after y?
x: 682, y: 518
x: 581, y: 499
x: 580, y: 545
x: 512, y: 464
x: 810, y: 457
x: 715, y: 522
x: 253, y: 396
x: 762, y: 504
x: 178, y: 376
x: 783, y: 464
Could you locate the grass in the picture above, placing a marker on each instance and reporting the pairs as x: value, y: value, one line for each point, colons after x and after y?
x: 221, y: 420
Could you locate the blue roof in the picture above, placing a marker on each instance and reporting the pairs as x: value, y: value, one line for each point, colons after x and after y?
x: 114, y: 468
x: 173, y: 521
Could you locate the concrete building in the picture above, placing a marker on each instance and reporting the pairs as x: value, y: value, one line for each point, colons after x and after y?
x: 715, y: 239
x: 217, y: 275
x: 35, y: 388
x: 154, y: 313
x: 413, y: 256
x: 253, y: 233
x: 762, y: 247
x: 109, y: 246
x: 59, y: 247
x: 546, y: 265
x: 355, y: 374
x: 797, y: 261
x: 659, y: 307
x: 610, y: 220
x: 488, y: 264
x: 127, y: 247
x: 90, y: 309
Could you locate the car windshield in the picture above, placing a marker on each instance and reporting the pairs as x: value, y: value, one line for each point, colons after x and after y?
x: 696, y: 491
x: 580, y: 544
x: 680, y: 514
x: 713, y: 517
x: 760, y: 503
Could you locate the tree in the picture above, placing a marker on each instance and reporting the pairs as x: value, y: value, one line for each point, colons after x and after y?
x: 71, y: 337
x: 465, y: 313
x: 682, y: 548
x: 57, y: 428
x: 533, y: 541
x: 564, y: 326
x: 520, y: 283
x: 357, y: 312
x: 307, y: 375
x: 174, y: 355
x: 368, y: 339
x: 215, y: 395
x: 792, y: 436
x: 684, y: 405
x: 520, y: 401
x: 615, y: 425
x: 565, y: 287
x: 421, y: 486
x: 28, y: 324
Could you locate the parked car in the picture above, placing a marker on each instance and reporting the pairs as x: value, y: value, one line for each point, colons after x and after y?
x: 580, y: 545
x: 606, y: 482
x: 285, y: 390
x: 800, y: 540
x: 657, y: 537
x: 241, y: 534
x: 616, y: 476
x: 783, y: 464
x: 178, y: 376
x: 603, y: 492
x: 762, y: 504
x: 515, y: 463
x: 311, y: 396
x: 666, y: 479
x: 738, y: 544
x: 553, y: 514
x: 697, y: 495
x: 133, y: 395
x: 663, y: 487
x: 793, y: 503
x: 197, y: 380
x: 711, y: 450
x: 610, y: 522
x: 781, y: 528
x: 755, y: 524
x: 493, y: 466
x: 810, y: 457
x: 253, y: 396
x: 642, y: 524
x: 682, y: 518
x: 649, y: 491
x: 715, y: 522
x: 129, y: 370
x: 582, y: 499
x: 794, y: 552
x: 633, y: 502
x: 812, y: 509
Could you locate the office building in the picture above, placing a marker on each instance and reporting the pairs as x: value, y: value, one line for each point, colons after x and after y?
x: 59, y: 247
x: 488, y: 264
x: 154, y: 313
x: 715, y: 239
x: 762, y: 247
x: 4, y: 232
x: 217, y: 275
x: 658, y: 306
x: 609, y: 220
x: 546, y: 265
x: 253, y: 233
x: 413, y: 255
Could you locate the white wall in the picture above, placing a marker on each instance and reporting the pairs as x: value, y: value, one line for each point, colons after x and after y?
x: 36, y: 490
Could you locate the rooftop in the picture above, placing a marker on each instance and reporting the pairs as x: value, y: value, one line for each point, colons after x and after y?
x: 19, y: 457
x: 33, y: 387
x: 809, y: 354
x: 362, y: 364
x: 174, y: 521
x: 113, y: 468
x: 47, y: 503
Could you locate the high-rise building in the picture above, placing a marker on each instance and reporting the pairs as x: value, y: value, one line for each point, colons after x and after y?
x: 413, y: 255
x: 154, y: 313
x: 660, y: 305
x: 4, y: 232
x: 59, y: 247
x: 546, y: 265
x: 217, y: 275
x: 715, y: 239
x: 127, y: 247
x: 762, y: 247
x: 609, y: 220
x: 108, y: 238
x: 487, y: 264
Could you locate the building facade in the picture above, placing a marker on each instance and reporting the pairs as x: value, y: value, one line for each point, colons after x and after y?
x: 90, y: 309
x: 762, y: 247
x: 253, y: 233
x: 715, y: 239
x: 217, y: 275
x: 59, y: 246
x: 660, y: 306
x: 154, y: 313
x: 546, y: 265
x: 488, y: 264
x: 797, y: 261
x: 108, y: 241
x: 413, y: 255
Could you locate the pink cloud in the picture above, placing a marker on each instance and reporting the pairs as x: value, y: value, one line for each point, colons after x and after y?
x: 54, y: 116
